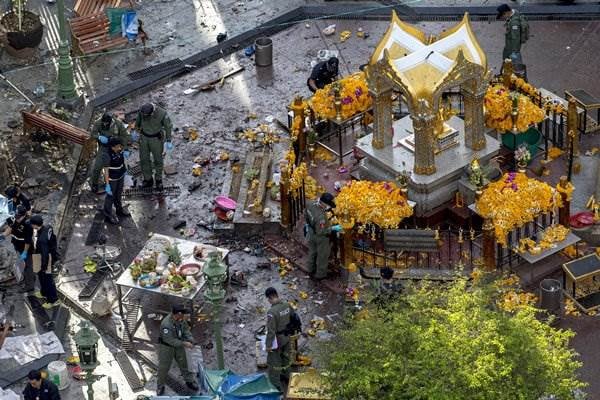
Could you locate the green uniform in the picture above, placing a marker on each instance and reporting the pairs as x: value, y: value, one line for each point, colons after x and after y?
x: 154, y: 131
x: 278, y: 360
x: 512, y: 38
x: 172, y: 335
x: 319, y: 229
x: 116, y: 128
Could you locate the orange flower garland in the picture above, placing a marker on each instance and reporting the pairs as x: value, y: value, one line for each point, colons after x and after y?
x: 515, y: 200
x: 354, y: 93
x: 498, y: 107
x: 365, y: 202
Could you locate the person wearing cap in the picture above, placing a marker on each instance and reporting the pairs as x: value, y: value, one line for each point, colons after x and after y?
x: 323, y: 74
x: 277, y: 341
x: 516, y: 33
x: 21, y: 234
x: 103, y: 129
x: 155, y: 127
x: 16, y: 198
x: 45, y: 247
x: 114, y: 178
x: 317, y: 230
x: 174, y: 338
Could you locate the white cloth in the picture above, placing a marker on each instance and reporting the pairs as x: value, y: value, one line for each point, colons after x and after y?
x: 8, y: 395
x: 24, y: 349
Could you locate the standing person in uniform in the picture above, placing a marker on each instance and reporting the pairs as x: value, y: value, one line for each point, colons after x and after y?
x: 114, y: 178
x: 45, y: 245
x: 155, y: 126
x: 318, y: 229
x: 16, y: 198
x: 22, y: 239
x: 517, y: 33
x: 278, y: 340
x: 323, y: 74
x: 175, y: 337
x: 105, y: 128
x: 39, y: 388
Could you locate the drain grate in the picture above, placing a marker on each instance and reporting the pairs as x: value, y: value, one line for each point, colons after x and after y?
x: 135, y: 171
x: 155, y: 69
x: 128, y: 371
x: 168, y: 191
x: 92, y: 285
x: 131, y: 309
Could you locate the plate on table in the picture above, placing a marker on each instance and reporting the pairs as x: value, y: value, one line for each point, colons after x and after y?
x: 190, y: 269
x: 148, y: 281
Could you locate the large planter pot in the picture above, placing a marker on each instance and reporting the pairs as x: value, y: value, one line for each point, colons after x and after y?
x: 31, y: 34
x: 530, y: 137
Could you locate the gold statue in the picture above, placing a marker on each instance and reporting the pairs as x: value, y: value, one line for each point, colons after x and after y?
x: 444, y: 114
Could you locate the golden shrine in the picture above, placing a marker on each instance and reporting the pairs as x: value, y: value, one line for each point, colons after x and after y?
x: 432, y: 141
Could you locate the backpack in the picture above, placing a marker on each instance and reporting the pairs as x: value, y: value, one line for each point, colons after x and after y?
x: 293, y: 327
x: 524, y: 28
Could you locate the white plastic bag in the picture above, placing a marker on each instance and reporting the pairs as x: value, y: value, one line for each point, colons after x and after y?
x: 194, y: 359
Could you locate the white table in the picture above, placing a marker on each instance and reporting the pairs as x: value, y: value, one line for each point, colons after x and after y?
x: 157, y: 242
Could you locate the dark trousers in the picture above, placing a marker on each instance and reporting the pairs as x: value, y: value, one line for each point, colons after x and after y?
x: 28, y: 274
x: 117, y: 192
x: 48, y: 288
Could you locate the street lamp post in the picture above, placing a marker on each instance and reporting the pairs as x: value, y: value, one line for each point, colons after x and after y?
x: 86, y: 340
x: 215, y: 273
x: 66, y: 81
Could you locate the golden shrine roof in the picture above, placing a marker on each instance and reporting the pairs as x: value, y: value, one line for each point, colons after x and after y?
x: 422, y: 61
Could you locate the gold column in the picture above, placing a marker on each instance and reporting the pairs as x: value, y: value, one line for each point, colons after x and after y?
x: 423, y: 126
x: 564, y: 212
x: 474, y: 118
x: 347, y: 249
x: 298, y: 110
x: 507, y: 71
x: 489, y: 245
x: 286, y: 215
x: 382, y: 113
x: 573, y: 124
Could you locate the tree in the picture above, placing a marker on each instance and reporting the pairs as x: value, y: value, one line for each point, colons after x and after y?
x: 464, y: 340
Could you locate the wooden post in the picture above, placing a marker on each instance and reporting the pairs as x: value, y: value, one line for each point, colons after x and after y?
x: 298, y: 110
x: 489, y: 245
x: 286, y: 216
x: 564, y: 212
x: 347, y: 249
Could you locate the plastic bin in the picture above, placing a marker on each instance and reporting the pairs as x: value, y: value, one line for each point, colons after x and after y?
x: 264, y: 52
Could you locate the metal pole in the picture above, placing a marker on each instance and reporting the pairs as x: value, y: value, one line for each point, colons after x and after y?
x: 17, y: 89
x: 90, y: 382
x: 66, y: 80
x: 217, y: 333
x: 570, y: 172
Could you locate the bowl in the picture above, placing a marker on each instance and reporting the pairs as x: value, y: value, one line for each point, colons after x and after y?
x: 225, y: 203
x: 190, y: 269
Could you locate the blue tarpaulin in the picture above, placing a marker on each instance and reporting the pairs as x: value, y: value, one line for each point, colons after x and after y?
x: 230, y: 386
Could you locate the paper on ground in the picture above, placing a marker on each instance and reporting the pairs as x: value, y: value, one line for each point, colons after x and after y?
x: 25, y: 349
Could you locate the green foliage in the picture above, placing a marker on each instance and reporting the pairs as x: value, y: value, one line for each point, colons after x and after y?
x: 450, y: 343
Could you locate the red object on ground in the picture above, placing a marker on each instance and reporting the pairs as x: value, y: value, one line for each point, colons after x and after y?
x: 222, y: 214
x: 225, y: 203
x: 582, y: 219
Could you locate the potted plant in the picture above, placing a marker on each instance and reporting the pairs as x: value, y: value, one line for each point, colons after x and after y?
x: 522, y: 157
x: 23, y: 28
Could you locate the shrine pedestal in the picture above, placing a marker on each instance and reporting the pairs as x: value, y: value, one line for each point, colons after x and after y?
x: 428, y: 191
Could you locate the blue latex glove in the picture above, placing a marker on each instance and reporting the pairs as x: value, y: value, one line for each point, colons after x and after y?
x: 108, y: 189
x: 169, y: 146
x: 336, y: 228
x: 134, y: 136
x: 23, y: 255
x: 102, y: 139
x: 126, y: 153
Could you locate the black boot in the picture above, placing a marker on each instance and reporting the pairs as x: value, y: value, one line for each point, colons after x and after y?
x: 111, y: 219
x: 193, y: 386
x: 147, y: 184
x: 158, y: 185
x: 123, y: 212
x: 94, y: 189
x: 160, y: 390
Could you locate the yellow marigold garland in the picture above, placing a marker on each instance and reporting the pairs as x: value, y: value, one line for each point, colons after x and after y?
x: 567, y: 190
x: 365, y: 202
x: 551, y: 235
x: 554, y: 152
x: 354, y: 93
x: 498, y: 107
x: 515, y: 200
x: 297, y: 179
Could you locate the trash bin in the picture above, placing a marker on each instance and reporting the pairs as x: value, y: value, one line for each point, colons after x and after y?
x: 264, y: 52
x: 551, y: 296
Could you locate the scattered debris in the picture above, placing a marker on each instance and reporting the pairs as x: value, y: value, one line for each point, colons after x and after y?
x: 328, y: 31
